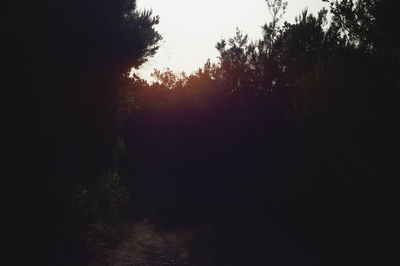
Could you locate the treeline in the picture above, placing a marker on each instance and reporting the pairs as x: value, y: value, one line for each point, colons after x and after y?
x: 327, y: 88
x: 302, y: 123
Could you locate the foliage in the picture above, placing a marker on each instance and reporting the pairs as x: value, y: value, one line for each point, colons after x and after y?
x: 103, y: 199
x: 305, y: 114
x: 67, y: 64
x: 307, y: 78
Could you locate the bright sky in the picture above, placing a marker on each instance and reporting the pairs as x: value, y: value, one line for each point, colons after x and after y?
x: 191, y: 28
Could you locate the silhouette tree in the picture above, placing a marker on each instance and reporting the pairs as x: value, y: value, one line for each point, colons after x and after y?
x: 297, y: 127
x: 66, y: 62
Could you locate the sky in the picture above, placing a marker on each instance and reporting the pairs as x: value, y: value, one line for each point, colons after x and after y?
x: 191, y: 28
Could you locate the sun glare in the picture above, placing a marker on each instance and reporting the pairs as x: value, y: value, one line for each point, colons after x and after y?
x: 191, y: 28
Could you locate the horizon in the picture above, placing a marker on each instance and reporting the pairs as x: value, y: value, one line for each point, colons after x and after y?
x: 180, y: 39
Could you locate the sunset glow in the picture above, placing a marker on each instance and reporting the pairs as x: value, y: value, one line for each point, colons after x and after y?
x: 189, y: 25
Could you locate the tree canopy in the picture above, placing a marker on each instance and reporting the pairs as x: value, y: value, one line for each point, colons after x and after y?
x: 299, y: 126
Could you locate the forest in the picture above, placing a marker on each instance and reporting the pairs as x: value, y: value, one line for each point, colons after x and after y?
x: 284, y: 152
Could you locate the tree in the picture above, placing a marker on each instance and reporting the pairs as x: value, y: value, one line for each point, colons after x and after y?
x: 66, y: 65
x: 277, y: 8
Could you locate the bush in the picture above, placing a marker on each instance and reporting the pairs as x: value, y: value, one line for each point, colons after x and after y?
x: 103, y: 199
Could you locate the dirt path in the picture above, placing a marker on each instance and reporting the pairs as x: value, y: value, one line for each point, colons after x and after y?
x: 234, y: 240
x: 143, y: 245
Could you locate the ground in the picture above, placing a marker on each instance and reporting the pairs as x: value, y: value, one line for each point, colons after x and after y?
x: 142, y: 244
